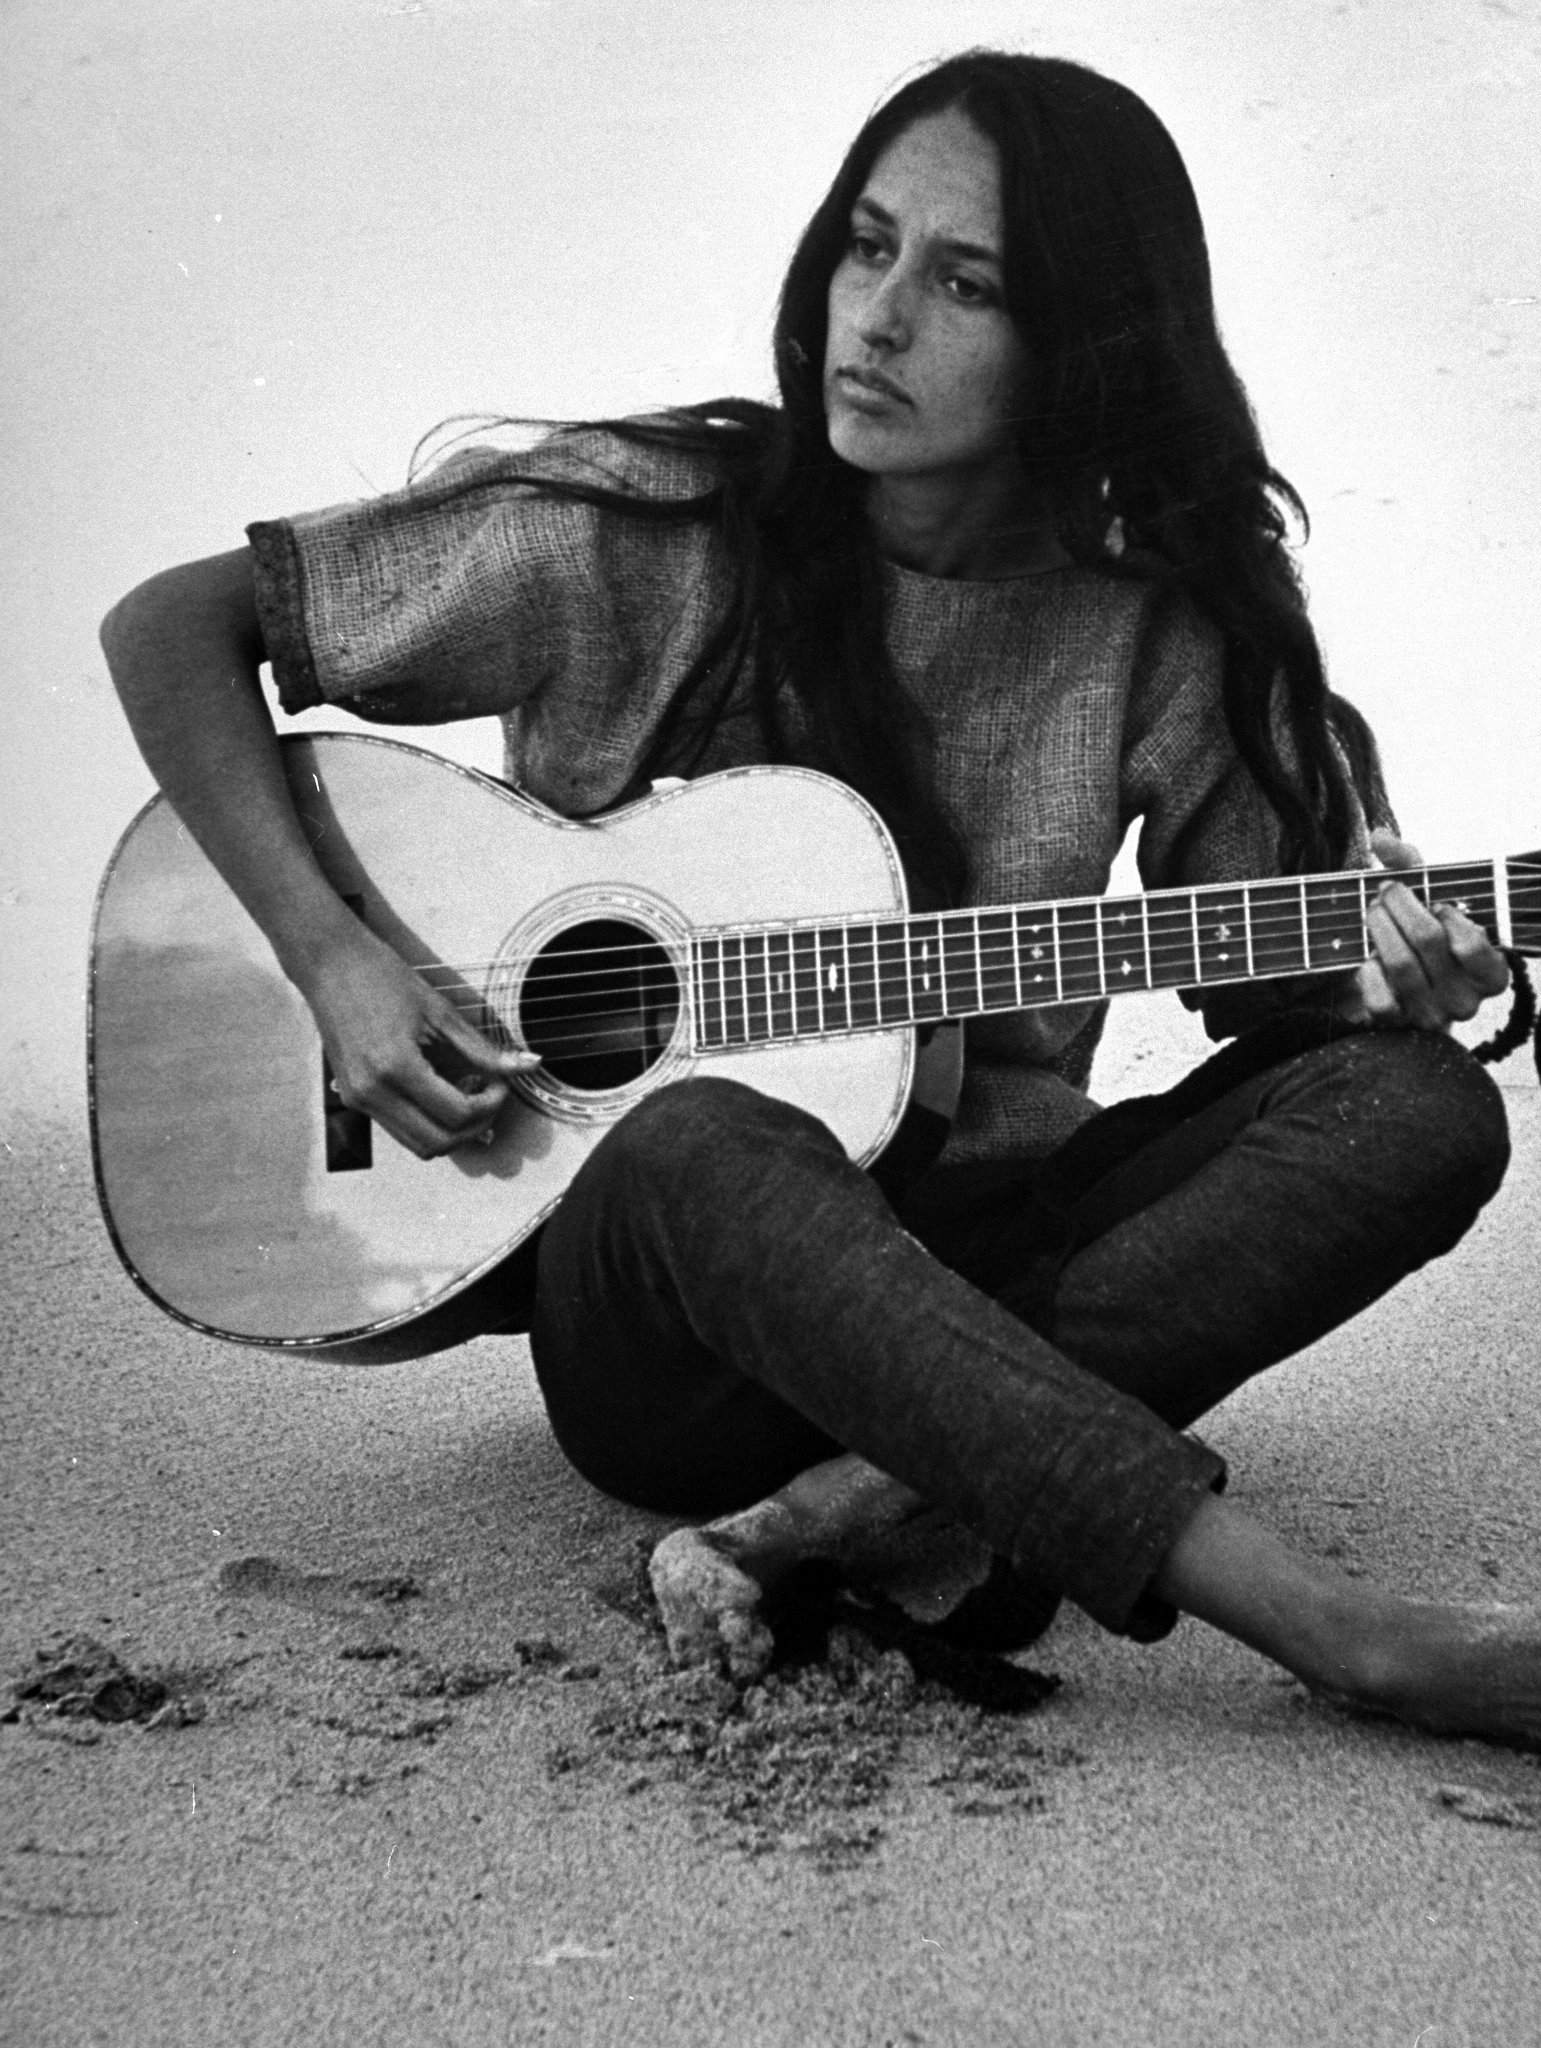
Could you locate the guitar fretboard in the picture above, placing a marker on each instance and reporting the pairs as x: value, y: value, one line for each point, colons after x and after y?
x: 754, y: 986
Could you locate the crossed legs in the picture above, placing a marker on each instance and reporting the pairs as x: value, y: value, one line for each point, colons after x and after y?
x: 730, y: 1318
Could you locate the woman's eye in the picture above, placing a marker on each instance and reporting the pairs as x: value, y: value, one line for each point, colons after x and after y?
x: 866, y: 246
x: 972, y: 291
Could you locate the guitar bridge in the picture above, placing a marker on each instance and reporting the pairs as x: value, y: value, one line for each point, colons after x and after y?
x: 349, y: 1132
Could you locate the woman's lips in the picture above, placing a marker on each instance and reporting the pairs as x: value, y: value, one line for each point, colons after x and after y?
x: 869, y: 389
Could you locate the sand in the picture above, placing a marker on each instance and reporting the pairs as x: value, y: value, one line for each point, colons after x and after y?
x: 415, y: 1770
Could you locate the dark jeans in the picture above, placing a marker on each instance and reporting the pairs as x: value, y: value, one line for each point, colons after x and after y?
x: 723, y: 1299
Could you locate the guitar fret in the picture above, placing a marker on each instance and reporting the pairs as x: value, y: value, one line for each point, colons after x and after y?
x: 1246, y: 925
x: 1217, y: 913
x: 756, y: 988
x: 720, y: 996
x: 1335, y: 920
x: 1522, y: 901
x: 807, y: 1015
x: 1276, y: 929
x: 832, y: 978
x: 783, y: 1018
x: 829, y: 981
x: 1472, y: 888
x: 928, y: 1001
x: 959, y: 965
x: 1079, y: 952
x: 768, y: 947
x: 1509, y: 894
x: 861, y: 958
x: 998, y: 978
x: 1305, y: 924
x: 710, y: 951
x: 735, y: 1017
x: 1125, y: 943
x: 891, y: 955
x: 1170, y: 921
x: 1016, y: 954
x: 1038, y: 954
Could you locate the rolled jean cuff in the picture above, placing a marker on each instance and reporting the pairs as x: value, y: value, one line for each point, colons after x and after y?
x: 1105, y: 1519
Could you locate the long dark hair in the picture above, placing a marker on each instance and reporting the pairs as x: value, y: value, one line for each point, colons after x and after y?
x: 1137, y: 438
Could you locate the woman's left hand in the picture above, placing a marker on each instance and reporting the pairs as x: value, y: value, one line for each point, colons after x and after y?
x: 1432, y: 968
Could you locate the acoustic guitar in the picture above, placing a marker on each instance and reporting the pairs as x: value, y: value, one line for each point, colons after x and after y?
x: 752, y: 924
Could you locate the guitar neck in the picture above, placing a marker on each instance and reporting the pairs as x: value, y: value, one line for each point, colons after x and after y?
x: 757, y: 985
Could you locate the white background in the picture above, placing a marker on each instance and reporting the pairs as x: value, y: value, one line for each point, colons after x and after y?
x: 254, y: 251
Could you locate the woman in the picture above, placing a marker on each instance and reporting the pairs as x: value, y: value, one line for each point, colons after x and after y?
x: 1008, y: 558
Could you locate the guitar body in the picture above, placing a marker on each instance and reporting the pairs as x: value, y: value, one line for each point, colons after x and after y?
x: 251, y: 1204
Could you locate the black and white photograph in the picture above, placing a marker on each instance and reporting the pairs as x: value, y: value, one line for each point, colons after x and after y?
x: 770, y: 891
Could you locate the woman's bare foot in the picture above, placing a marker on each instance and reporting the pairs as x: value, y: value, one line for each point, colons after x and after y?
x: 709, y: 1582
x: 709, y: 1606
x: 1454, y: 1670
x: 884, y: 1543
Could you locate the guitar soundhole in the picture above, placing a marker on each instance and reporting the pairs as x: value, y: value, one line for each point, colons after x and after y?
x: 599, y: 1004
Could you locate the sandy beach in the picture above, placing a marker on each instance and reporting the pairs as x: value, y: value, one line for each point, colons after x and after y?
x: 419, y: 1775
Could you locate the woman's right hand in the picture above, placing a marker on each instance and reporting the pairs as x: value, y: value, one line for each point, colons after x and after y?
x: 184, y: 650
x: 400, y: 1050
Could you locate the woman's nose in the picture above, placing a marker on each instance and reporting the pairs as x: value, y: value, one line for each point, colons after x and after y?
x: 887, y: 318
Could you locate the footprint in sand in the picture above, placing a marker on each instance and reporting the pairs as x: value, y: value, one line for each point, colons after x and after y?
x: 265, y: 1578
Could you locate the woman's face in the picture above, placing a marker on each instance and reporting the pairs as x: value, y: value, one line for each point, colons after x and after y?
x: 924, y: 371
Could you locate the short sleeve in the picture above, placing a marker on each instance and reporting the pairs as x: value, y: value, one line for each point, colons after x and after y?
x: 1203, y: 816
x: 1179, y: 771
x: 468, y: 593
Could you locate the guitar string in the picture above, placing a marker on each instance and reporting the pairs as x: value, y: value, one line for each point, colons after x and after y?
x: 995, y: 953
x: 891, y: 927
x: 783, y: 1012
x: 774, y: 1015
x: 1081, y: 953
x: 1180, y: 903
x: 895, y: 943
x: 1081, y: 979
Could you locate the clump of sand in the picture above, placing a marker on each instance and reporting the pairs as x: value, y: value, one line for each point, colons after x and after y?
x: 802, y: 1759
x: 77, y: 1678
